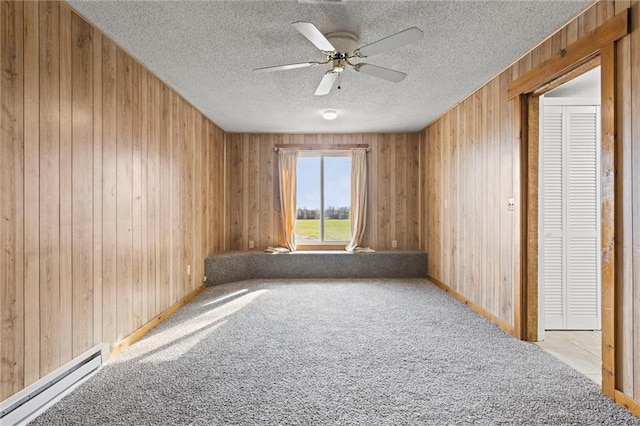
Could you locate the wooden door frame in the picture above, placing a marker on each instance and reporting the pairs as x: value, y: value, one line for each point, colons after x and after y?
x: 524, y: 91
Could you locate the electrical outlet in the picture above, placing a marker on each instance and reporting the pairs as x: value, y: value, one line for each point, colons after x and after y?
x: 188, y: 269
x: 394, y: 244
x: 250, y: 244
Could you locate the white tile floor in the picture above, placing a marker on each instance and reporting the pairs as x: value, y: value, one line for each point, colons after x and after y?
x: 578, y: 349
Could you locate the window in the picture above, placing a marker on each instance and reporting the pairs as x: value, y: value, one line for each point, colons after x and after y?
x: 323, y: 197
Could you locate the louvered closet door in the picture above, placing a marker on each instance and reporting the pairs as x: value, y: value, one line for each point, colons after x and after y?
x: 583, y: 295
x: 552, y: 184
x: 570, y: 267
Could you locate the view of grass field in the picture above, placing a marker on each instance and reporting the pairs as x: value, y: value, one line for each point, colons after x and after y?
x: 334, y: 229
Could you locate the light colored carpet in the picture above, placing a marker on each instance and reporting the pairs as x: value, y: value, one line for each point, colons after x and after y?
x: 333, y: 352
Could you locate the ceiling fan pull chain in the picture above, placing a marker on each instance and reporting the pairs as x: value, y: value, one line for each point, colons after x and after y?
x: 339, y: 81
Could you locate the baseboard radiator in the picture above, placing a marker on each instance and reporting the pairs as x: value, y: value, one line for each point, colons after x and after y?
x: 32, y: 401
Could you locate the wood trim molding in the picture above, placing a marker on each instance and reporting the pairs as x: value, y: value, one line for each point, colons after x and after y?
x: 570, y: 75
x: 520, y: 125
x: 477, y: 308
x: 530, y: 291
x: 574, y: 54
x: 609, y: 205
x: 139, y: 333
x: 324, y: 147
x: 627, y: 402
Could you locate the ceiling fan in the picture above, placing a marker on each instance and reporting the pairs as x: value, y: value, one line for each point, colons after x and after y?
x: 340, y: 49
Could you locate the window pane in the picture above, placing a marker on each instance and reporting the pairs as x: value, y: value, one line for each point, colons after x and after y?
x: 308, y: 199
x: 337, y: 198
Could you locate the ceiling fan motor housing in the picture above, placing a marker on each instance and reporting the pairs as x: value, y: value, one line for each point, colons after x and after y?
x: 345, y: 43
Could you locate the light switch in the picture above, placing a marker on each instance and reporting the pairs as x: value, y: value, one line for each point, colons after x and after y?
x: 511, y: 204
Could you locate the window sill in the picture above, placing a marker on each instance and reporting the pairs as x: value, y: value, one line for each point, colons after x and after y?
x: 314, y: 247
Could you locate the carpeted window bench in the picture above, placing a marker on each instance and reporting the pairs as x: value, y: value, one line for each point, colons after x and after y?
x: 237, y: 266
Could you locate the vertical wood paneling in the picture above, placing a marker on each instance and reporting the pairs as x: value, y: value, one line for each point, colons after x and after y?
x: 253, y: 192
x: 495, y: 203
x: 479, y: 191
x: 383, y: 168
x: 153, y: 196
x: 453, y: 198
x: 245, y: 187
x: 136, y: 194
x: 392, y: 188
x: 462, y: 265
x: 82, y: 184
x: 399, y: 181
x: 31, y: 195
x: 12, y: 199
x: 187, y: 193
x: 372, y: 159
x: 197, y: 213
x: 109, y: 189
x: 175, y: 230
x: 85, y: 191
x: 165, y: 239
x: 443, y: 222
x: 412, y: 185
x: 66, y: 185
x: 506, y: 217
x: 253, y: 204
x: 142, y: 128
x: 49, y: 185
x: 97, y: 188
x: 266, y: 172
x: 124, y: 195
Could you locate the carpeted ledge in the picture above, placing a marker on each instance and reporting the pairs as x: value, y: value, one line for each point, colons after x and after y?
x: 333, y: 352
x: 230, y: 267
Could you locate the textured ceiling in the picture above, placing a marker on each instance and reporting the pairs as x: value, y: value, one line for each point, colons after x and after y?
x: 206, y: 51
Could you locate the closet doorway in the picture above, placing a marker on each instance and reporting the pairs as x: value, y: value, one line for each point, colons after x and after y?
x: 569, y: 267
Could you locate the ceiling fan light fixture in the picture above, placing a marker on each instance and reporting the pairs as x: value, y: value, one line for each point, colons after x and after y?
x: 329, y: 114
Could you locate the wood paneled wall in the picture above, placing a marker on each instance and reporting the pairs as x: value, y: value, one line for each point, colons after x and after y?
x: 469, y: 160
x: 253, y: 206
x: 110, y: 185
x: 472, y: 162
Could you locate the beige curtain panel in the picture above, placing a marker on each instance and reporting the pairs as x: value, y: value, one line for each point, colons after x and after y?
x: 287, y: 163
x: 358, y: 197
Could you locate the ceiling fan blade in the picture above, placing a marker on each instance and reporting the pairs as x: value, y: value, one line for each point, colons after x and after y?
x: 286, y: 67
x: 326, y: 83
x: 380, y: 72
x: 314, y: 35
x: 407, y: 36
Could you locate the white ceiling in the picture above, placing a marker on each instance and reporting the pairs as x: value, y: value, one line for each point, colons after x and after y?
x: 206, y: 50
x: 586, y: 85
